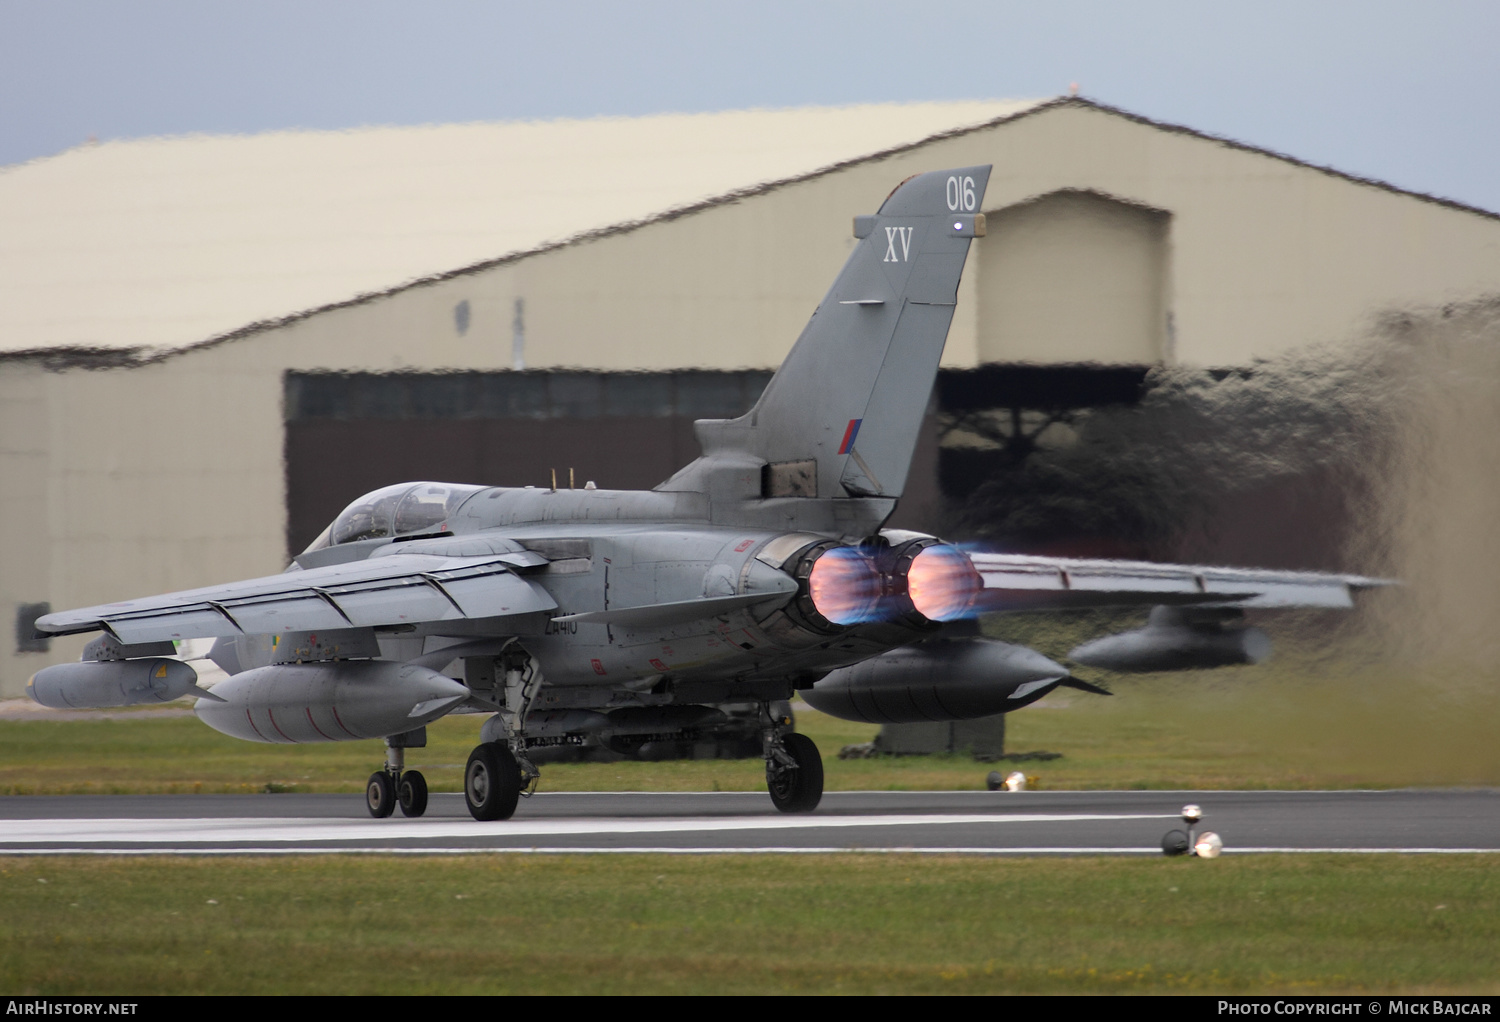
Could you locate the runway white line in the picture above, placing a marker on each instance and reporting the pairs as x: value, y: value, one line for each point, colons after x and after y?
x: 756, y: 850
x: 567, y: 850
x: 222, y: 831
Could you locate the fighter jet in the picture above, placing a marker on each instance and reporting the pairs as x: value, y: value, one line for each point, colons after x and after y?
x: 758, y: 572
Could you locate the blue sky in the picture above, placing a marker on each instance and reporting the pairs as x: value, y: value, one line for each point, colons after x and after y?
x: 1404, y: 92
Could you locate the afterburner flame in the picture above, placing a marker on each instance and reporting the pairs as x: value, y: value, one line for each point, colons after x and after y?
x: 942, y: 583
x: 844, y: 585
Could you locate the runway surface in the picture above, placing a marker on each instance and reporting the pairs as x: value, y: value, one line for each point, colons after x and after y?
x: 1036, y: 823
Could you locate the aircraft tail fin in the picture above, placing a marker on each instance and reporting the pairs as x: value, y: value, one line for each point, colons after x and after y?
x: 841, y: 416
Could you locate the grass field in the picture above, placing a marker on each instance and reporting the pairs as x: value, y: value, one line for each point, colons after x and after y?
x: 1228, y: 730
x: 749, y: 924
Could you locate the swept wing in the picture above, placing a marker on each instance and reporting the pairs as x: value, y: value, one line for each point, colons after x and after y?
x: 389, y: 590
x: 1019, y: 582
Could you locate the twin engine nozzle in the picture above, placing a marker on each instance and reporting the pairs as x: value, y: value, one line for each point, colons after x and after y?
x: 850, y: 585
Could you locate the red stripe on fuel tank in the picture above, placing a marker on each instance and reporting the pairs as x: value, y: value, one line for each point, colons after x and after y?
x: 257, y: 730
x: 341, y: 723
x: 272, y: 716
x: 316, y: 728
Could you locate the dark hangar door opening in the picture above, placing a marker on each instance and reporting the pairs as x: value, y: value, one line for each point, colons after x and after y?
x: 349, y: 433
x: 995, y: 417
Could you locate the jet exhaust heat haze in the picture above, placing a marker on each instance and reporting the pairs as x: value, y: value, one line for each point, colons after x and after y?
x: 761, y: 570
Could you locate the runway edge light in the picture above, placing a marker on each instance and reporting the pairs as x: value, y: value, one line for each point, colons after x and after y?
x: 1207, y: 845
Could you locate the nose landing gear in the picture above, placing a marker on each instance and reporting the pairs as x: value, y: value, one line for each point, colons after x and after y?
x: 393, y: 785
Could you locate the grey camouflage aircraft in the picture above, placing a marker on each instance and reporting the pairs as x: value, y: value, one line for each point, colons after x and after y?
x: 759, y: 571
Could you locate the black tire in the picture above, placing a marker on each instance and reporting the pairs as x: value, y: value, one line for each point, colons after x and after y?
x: 799, y: 790
x: 380, y: 795
x: 492, y: 782
x: 412, y: 793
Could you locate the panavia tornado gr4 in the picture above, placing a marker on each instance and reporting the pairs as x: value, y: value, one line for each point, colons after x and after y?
x: 759, y: 571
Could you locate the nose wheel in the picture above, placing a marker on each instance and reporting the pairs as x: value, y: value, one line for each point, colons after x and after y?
x: 385, y: 791
x: 411, y: 793
x: 380, y: 795
x: 394, y: 785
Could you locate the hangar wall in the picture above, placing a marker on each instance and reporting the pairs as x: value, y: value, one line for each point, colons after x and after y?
x: 1074, y: 277
x: 129, y: 479
x: 1267, y: 255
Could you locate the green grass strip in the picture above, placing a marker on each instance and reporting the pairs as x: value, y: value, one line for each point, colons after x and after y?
x: 749, y: 924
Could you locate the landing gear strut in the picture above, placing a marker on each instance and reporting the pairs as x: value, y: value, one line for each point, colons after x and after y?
x: 794, y: 769
x: 498, y: 772
x: 394, y: 785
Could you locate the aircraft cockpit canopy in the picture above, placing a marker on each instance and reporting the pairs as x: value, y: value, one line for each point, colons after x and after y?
x: 395, y: 511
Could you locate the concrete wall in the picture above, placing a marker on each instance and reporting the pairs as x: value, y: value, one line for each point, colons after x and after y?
x: 25, y: 507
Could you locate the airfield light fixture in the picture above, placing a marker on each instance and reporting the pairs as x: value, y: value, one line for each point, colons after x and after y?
x: 1015, y: 781
x: 1208, y: 845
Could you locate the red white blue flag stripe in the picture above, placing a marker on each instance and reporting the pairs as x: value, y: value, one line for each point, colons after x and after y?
x: 849, y: 434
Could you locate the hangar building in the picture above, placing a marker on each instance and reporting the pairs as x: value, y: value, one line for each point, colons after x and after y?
x: 208, y: 345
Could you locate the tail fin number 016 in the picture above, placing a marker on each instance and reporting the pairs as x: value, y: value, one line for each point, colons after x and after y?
x: 961, y: 193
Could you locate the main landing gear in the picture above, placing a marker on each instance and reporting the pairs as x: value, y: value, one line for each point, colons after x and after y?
x: 492, y: 782
x: 794, y: 769
x: 498, y: 772
x: 394, y: 785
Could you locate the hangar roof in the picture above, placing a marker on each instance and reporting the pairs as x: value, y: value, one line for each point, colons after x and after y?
x: 159, y: 243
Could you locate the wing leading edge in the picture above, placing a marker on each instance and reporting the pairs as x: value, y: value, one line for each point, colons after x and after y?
x: 412, y: 589
x: 1019, y: 582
